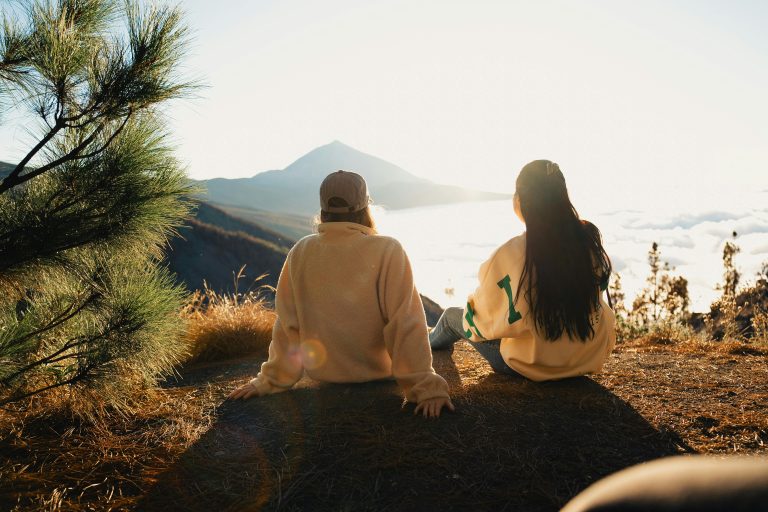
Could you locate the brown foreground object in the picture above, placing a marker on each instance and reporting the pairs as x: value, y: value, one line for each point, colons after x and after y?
x: 696, y: 483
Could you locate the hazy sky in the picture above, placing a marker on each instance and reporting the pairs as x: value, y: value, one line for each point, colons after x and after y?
x: 656, y: 110
x: 625, y: 95
x: 620, y: 93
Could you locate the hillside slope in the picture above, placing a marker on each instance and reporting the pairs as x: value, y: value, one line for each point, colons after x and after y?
x: 5, y: 169
x: 288, y: 225
x: 211, y: 214
x: 207, y: 253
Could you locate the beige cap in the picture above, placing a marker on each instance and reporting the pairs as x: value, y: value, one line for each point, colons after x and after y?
x: 349, y: 190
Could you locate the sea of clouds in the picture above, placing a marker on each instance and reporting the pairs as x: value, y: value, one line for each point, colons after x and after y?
x: 447, y: 243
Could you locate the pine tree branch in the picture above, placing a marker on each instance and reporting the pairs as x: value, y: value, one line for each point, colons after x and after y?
x: 110, y: 139
x: 10, y: 67
x: 54, y: 357
x: 14, y: 178
x: 77, y: 377
x: 62, y: 317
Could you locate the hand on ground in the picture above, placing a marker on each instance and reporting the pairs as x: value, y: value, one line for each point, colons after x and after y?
x: 244, y: 392
x: 431, y: 407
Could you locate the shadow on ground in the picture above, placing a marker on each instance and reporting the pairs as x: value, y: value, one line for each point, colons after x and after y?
x: 199, y: 374
x: 511, y: 445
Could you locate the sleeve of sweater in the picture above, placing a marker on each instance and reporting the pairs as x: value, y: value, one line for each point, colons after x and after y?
x: 283, y: 368
x: 405, y: 330
x: 491, y: 311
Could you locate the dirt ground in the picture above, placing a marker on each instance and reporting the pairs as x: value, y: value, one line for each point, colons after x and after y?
x: 511, y: 444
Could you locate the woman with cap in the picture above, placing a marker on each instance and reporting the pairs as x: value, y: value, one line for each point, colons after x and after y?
x: 347, y: 308
x: 539, y: 309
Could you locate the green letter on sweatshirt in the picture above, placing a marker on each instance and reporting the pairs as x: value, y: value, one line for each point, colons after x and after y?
x: 470, y: 316
x: 504, y: 284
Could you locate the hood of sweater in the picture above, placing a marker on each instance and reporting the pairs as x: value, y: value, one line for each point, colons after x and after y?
x: 341, y: 228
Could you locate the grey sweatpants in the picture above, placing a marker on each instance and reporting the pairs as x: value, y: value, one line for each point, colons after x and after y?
x: 449, y: 330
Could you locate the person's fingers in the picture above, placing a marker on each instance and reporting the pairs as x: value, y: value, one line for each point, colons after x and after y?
x: 433, y: 407
x: 234, y: 395
x: 251, y: 392
x: 243, y: 392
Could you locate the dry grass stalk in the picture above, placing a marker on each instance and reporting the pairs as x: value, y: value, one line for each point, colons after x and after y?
x: 222, y: 326
x: 760, y: 325
x: 682, y: 340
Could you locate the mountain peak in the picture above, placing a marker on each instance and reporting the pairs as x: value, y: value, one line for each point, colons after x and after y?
x: 336, y: 146
x: 294, y: 189
x: 321, y: 161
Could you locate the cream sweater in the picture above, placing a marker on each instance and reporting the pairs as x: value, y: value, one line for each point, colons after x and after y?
x: 348, y: 311
x: 494, y: 311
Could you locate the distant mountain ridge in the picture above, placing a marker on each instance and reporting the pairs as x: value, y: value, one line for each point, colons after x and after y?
x: 289, y: 225
x: 210, y: 214
x: 295, y: 189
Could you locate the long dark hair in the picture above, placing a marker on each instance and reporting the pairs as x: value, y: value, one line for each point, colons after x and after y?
x: 565, y: 262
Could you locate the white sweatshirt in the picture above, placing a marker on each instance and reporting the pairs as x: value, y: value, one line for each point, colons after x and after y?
x: 495, y: 311
x: 348, y: 311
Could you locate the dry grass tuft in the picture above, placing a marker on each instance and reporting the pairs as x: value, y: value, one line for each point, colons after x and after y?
x: 680, y: 341
x: 760, y: 326
x: 665, y: 334
x: 223, y: 326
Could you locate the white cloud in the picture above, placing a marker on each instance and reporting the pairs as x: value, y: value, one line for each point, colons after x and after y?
x: 692, y: 242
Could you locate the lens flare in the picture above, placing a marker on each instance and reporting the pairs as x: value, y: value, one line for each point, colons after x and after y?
x: 313, y: 354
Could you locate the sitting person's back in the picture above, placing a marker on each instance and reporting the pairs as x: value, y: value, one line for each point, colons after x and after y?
x: 352, y: 304
x: 347, y: 308
x: 539, y: 309
x: 498, y: 311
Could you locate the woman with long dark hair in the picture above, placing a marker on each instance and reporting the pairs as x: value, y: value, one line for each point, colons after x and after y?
x: 347, y: 308
x: 539, y: 310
